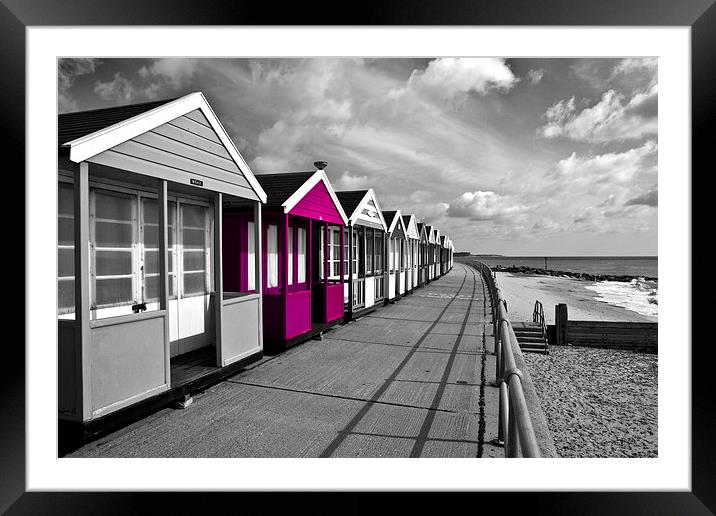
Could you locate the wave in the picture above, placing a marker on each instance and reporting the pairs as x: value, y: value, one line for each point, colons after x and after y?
x: 639, y: 295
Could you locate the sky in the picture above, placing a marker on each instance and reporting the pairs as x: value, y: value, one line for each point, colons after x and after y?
x: 521, y: 157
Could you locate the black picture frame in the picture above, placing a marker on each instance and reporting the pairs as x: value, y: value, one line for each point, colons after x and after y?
x: 700, y: 15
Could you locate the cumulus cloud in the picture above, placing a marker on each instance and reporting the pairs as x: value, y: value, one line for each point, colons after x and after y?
x: 650, y: 198
x: 448, y: 77
x: 67, y: 71
x: 483, y: 205
x: 348, y: 181
x: 535, y: 76
x: 614, y: 117
x: 612, y: 167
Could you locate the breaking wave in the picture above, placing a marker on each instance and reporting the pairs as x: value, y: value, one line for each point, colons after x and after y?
x: 639, y: 295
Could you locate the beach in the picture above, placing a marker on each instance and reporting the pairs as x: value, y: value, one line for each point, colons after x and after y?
x: 521, y: 291
x: 598, y: 402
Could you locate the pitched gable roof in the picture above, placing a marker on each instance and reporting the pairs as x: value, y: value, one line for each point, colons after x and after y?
x: 393, y: 220
x: 365, y: 210
x: 113, y: 126
x: 350, y: 199
x: 286, y: 190
x: 279, y: 187
x: 71, y: 126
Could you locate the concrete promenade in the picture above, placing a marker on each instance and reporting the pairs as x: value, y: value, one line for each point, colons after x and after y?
x: 408, y: 380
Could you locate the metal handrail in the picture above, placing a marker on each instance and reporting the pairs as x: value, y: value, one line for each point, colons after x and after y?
x: 538, y: 317
x: 520, y: 439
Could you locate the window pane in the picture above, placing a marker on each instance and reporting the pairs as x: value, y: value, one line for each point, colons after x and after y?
x: 251, y: 257
x: 65, y: 262
x: 194, y: 260
x: 65, y: 296
x: 65, y: 199
x: 193, y: 216
x: 113, y: 234
x: 194, y: 283
x: 272, y: 256
x: 290, y: 256
x: 151, y: 288
x: 193, y: 238
x: 110, y: 263
x: 65, y: 231
x: 115, y: 207
x: 151, y: 236
x: 151, y: 261
x: 113, y: 291
x: 301, y: 255
x: 172, y: 223
x: 150, y: 211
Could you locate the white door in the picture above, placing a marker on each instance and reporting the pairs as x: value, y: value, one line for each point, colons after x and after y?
x: 190, y: 310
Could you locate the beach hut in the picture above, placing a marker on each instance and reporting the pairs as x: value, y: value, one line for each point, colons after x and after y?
x: 443, y: 254
x: 396, y: 254
x: 143, y: 315
x: 422, y: 255
x: 433, y: 239
x: 303, y: 255
x: 452, y: 254
x: 430, y: 230
x: 365, y: 241
x: 412, y: 241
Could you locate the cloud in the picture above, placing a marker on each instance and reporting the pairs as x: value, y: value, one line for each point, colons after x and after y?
x: 348, y: 181
x: 614, y: 117
x: 483, y: 205
x: 176, y: 71
x: 650, y: 198
x: 613, y: 167
x: 448, y: 77
x: 633, y: 64
x: 119, y: 90
x: 67, y: 71
x: 535, y: 76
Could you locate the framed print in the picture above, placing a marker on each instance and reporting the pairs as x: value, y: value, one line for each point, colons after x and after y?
x: 233, y: 320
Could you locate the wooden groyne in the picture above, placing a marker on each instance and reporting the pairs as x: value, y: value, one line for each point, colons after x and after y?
x: 632, y: 336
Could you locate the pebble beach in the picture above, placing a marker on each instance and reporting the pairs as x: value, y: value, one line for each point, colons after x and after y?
x: 598, y: 402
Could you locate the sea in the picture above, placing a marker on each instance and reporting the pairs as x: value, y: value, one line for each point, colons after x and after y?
x: 639, y: 295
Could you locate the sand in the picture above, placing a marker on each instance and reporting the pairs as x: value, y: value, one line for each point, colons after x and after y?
x: 521, y: 291
x: 598, y: 402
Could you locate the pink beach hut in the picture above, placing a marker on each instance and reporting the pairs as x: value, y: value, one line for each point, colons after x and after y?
x: 302, y: 255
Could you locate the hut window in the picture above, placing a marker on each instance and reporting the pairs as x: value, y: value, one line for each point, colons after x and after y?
x: 346, y: 253
x: 301, y: 250
x: 272, y: 256
x: 194, y: 248
x: 356, y: 247
x: 396, y: 257
x: 251, y: 256
x: 335, y: 251
x: 369, y: 235
x: 65, y: 249
x: 390, y: 254
x: 290, y: 256
x: 149, y: 268
x: 378, y: 253
x: 113, y: 229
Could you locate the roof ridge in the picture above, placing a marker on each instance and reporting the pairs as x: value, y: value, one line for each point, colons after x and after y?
x: 85, y: 111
